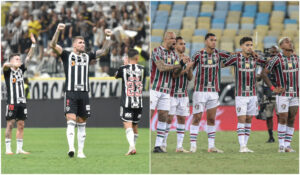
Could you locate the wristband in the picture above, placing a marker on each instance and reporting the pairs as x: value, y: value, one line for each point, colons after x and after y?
x: 272, y: 88
x: 33, y: 45
x: 182, y: 63
x: 107, y: 38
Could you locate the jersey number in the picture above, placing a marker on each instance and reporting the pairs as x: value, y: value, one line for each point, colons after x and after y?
x: 134, y: 88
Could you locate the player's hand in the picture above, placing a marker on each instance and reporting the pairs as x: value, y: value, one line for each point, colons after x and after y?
x: 108, y: 32
x: 61, y: 26
x: 32, y: 38
x: 278, y: 90
x: 189, y: 65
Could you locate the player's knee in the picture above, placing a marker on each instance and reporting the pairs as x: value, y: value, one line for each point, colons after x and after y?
x: 21, y: 125
x: 71, y: 117
x: 196, y: 118
x: 210, y: 121
x: 181, y: 120
x: 81, y: 119
x: 170, y: 118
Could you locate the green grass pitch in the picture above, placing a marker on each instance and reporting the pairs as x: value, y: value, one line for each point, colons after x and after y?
x: 264, y: 160
x: 105, y: 149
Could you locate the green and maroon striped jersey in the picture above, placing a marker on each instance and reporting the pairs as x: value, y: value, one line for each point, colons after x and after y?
x: 245, y: 70
x: 286, y: 72
x: 179, y: 86
x: 208, y: 70
x: 161, y: 81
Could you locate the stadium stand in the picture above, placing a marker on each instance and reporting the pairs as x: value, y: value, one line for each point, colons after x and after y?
x: 265, y: 21
x: 128, y: 20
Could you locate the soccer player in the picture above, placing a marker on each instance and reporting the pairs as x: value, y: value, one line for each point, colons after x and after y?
x: 286, y: 67
x: 179, y: 98
x: 16, y: 110
x: 246, y: 102
x: 76, y: 66
x: 208, y: 63
x: 131, y: 108
x: 268, y: 103
x: 164, y: 63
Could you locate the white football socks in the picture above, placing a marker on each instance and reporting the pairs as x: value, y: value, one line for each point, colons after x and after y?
x: 71, y: 134
x: 81, y: 136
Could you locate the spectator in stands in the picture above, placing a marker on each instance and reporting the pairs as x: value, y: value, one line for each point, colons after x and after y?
x: 68, y: 20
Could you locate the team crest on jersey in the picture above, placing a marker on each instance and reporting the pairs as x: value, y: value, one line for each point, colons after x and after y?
x: 87, y: 107
x: 197, y: 106
x: 14, y: 80
x: 140, y: 115
x: 283, y: 106
x: 290, y: 65
x: 10, y: 113
x: 25, y: 111
x: 238, y: 109
x: 73, y: 63
x: 247, y: 65
x: 67, y: 108
x: 209, y: 61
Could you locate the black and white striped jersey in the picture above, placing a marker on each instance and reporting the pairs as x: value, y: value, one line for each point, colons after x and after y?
x: 77, y: 70
x: 15, y: 85
x: 132, y: 85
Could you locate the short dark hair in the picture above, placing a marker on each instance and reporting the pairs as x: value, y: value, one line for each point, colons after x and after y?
x: 208, y: 35
x: 132, y: 53
x: 12, y: 55
x: 179, y: 38
x: 245, y: 39
x: 76, y: 38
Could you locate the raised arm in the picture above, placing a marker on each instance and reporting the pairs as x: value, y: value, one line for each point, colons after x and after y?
x: 105, y: 48
x: 31, y: 51
x: 8, y: 65
x: 53, y: 44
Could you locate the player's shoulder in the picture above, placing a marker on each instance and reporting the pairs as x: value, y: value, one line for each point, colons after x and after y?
x: 140, y: 66
x: 157, y: 49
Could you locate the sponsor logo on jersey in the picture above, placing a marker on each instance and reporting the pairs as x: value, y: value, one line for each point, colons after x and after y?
x: 128, y: 115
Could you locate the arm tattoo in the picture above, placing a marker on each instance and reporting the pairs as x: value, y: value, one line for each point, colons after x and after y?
x: 162, y: 67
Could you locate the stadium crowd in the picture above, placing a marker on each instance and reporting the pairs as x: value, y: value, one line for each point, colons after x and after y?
x: 127, y: 20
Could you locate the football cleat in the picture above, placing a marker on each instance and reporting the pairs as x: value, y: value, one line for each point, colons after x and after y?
x: 71, y: 154
x: 288, y: 149
x: 271, y: 140
x: 164, y: 148
x: 193, y: 149
x: 158, y: 149
x: 281, y: 149
x: 22, y: 152
x: 131, y: 151
x: 214, y: 150
x: 181, y: 150
x: 243, y: 149
x: 9, y: 153
x: 249, y: 150
x: 81, y: 155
